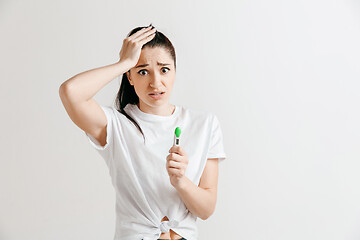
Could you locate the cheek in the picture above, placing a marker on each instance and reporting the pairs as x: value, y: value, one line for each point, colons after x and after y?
x: 140, y: 88
x: 171, y: 84
x: 170, y: 80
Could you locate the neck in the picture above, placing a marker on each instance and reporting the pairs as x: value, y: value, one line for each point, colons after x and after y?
x: 163, y: 110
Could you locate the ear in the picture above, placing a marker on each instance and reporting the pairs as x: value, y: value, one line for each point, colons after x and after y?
x: 128, y: 76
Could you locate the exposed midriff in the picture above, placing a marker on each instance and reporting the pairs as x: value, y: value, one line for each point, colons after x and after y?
x: 169, y: 235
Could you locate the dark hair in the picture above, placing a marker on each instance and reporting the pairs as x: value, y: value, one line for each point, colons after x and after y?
x: 127, y: 94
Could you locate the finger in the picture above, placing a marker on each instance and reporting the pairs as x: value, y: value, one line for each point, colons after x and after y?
x: 174, y: 164
x: 141, y: 31
x: 174, y: 156
x: 174, y: 148
x: 178, y: 149
x: 175, y: 171
x: 148, y: 38
x: 143, y: 35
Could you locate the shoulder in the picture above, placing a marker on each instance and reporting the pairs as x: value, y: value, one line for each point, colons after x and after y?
x: 206, y: 117
x: 114, y: 113
x: 198, y: 115
x: 195, y: 111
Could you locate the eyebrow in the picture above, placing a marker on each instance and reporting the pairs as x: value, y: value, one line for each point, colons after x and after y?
x: 158, y: 63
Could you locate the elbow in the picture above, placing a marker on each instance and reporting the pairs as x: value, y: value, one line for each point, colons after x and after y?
x: 65, y: 96
x: 208, y: 214
x: 63, y: 89
x: 62, y: 92
x: 204, y: 217
x: 211, y: 206
x: 67, y: 93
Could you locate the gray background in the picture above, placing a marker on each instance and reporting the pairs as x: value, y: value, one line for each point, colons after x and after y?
x: 282, y: 77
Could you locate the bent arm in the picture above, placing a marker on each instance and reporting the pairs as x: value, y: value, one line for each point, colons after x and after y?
x: 83, y: 86
x: 77, y: 94
x: 201, y: 200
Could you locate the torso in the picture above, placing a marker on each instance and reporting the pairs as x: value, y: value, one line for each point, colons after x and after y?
x: 169, y: 235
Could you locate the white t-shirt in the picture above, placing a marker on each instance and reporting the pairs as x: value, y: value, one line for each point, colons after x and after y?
x: 144, y: 194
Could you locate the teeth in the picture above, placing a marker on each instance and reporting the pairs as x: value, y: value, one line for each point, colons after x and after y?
x: 156, y: 94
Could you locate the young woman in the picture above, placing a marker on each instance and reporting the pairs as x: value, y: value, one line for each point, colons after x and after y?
x: 161, y: 188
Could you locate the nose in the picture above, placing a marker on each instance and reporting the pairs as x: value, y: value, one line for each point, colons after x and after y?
x: 155, y: 81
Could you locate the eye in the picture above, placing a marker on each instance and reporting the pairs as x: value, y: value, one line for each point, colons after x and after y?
x: 166, y: 68
x: 141, y: 71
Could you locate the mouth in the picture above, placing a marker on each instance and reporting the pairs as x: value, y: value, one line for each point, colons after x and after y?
x: 155, y: 94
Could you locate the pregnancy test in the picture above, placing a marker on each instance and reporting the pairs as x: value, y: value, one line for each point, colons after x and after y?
x: 177, y: 136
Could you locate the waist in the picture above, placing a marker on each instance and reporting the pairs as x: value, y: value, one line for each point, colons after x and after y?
x: 171, y: 235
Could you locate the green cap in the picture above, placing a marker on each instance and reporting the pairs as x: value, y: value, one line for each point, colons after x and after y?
x: 177, y: 132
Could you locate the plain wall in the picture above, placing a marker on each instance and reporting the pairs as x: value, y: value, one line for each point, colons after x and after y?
x: 282, y: 77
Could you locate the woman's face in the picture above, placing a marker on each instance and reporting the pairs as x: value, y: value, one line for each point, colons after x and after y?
x: 154, y: 72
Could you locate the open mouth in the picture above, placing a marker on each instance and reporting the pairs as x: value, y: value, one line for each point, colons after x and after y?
x: 157, y: 93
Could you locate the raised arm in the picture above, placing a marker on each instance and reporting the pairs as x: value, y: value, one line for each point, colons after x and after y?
x: 77, y: 97
x: 77, y: 92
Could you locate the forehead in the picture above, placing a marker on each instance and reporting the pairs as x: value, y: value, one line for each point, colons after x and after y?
x: 152, y: 55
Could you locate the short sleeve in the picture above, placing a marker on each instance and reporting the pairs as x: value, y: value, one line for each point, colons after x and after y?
x: 104, y: 150
x: 216, y: 147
